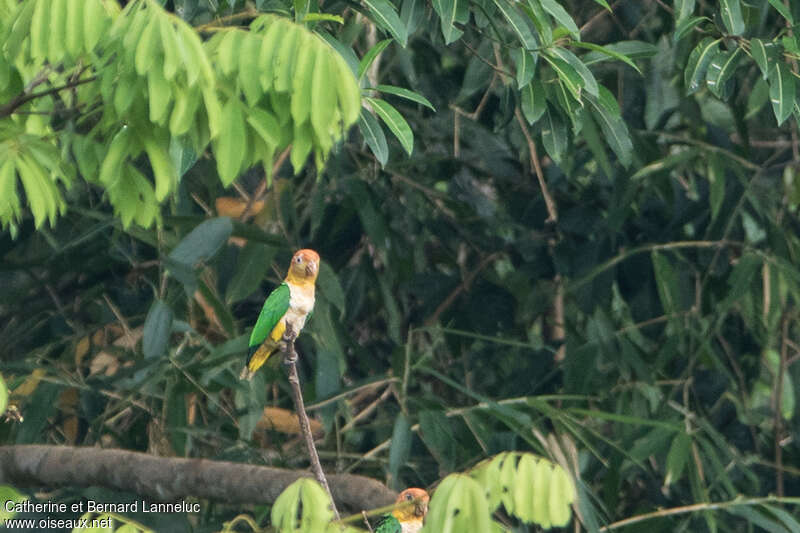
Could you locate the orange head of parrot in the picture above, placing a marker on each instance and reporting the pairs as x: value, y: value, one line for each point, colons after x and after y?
x: 412, y: 505
x: 304, y: 267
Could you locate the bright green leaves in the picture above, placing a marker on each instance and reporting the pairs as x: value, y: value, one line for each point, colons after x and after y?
x: 8, y: 494
x: 3, y: 395
x: 65, y: 30
x: 311, y: 93
x: 529, y: 487
x: 302, y: 507
x: 38, y: 166
x: 230, y: 146
x: 459, y: 504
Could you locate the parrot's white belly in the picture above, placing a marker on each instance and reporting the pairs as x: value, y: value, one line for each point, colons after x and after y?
x: 412, y: 526
x: 301, y: 302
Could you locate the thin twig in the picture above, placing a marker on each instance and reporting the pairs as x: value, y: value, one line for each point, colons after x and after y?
x: 366, y: 521
x: 552, y: 214
x: 290, y: 360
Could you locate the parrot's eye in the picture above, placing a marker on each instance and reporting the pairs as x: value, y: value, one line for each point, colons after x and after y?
x: 298, y: 259
x: 409, y: 497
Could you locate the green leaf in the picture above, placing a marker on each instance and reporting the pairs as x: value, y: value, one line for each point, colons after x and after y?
x: 230, y: 146
x: 330, y: 286
x: 3, y: 395
x: 405, y: 93
x: 9, y: 494
x: 721, y: 69
x: 520, y: 23
x: 607, y: 51
x: 589, y: 83
x: 373, y: 134
x: 567, y: 75
x: 698, y: 63
x: 458, y: 505
x: 448, y: 14
x: 759, y: 53
x: 251, y: 267
x: 783, y: 10
x: 716, y: 177
x: 370, y: 56
x: 386, y: 16
x: 322, y: 17
x: 525, y: 63
x: 554, y: 135
x: 740, y: 279
x: 683, y: 9
x: 731, y: 13
x: 533, y: 101
x: 400, y: 449
x: 562, y: 17
x: 202, y: 243
x: 782, y: 92
x: 607, y: 114
x: 666, y: 282
x: 323, y: 99
x: 395, y: 122
x: 305, y: 494
x: 677, y: 457
x: 157, y: 329
x: 685, y: 26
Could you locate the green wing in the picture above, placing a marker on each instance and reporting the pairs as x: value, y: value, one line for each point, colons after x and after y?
x: 271, y: 313
x: 388, y: 524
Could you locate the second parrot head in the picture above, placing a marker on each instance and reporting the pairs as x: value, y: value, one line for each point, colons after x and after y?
x: 413, y: 504
x: 304, y: 267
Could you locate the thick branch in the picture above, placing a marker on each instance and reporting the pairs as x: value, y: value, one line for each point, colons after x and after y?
x: 171, y: 478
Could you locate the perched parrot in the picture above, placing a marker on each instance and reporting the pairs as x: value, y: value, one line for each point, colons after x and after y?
x: 289, y: 304
x: 407, y: 517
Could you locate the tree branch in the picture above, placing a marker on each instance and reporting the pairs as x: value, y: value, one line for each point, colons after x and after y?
x: 23, y: 98
x: 290, y: 360
x: 171, y: 478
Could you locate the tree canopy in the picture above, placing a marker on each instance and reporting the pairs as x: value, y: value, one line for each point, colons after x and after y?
x: 559, y: 243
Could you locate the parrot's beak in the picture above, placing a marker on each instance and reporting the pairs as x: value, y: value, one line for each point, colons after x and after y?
x: 421, y: 508
x: 311, y: 268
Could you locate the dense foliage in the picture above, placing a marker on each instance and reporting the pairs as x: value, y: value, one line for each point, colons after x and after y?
x: 580, y: 240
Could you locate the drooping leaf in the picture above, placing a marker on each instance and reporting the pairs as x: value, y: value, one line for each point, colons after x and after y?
x: 157, y: 328
x: 731, y: 13
x: 554, y: 135
x: 370, y: 56
x: 203, y: 241
x: 533, y: 100
x: 558, y: 12
x: 395, y: 122
x: 373, y: 134
x: 519, y: 23
x: 698, y: 63
x: 386, y: 16
x: 782, y: 92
